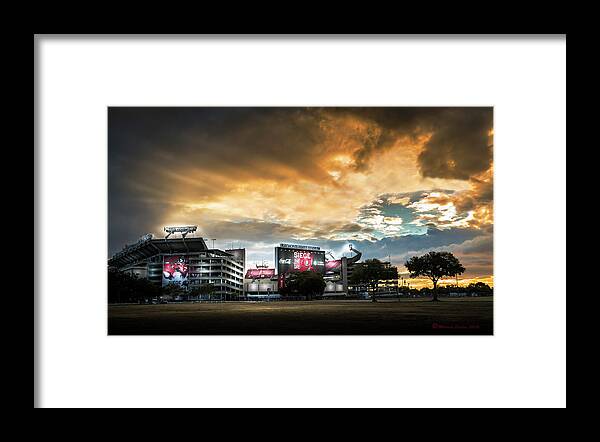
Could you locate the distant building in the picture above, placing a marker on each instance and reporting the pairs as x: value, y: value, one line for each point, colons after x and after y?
x: 187, y: 262
x: 338, y: 273
x: 264, y: 282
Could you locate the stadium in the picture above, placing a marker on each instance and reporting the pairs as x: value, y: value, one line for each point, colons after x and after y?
x: 261, y: 282
x: 188, y: 262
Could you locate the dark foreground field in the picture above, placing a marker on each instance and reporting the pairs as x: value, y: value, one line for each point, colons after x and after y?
x: 464, y: 316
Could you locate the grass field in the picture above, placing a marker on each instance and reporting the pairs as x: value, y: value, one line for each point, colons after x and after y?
x: 461, y: 316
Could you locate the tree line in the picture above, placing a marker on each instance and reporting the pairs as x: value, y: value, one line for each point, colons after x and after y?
x: 473, y: 289
x: 126, y: 288
x: 432, y: 265
x: 372, y: 273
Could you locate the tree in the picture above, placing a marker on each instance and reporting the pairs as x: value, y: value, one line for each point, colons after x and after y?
x: 172, y: 290
x: 310, y: 284
x: 371, y: 272
x: 481, y: 288
x: 202, y: 289
x: 434, y: 265
x: 123, y: 287
x: 119, y: 286
x: 146, y: 289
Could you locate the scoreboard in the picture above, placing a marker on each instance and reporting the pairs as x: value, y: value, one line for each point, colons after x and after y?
x: 291, y: 258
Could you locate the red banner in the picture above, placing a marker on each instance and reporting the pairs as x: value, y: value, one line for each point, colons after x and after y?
x: 333, y: 265
x: 260, y: 273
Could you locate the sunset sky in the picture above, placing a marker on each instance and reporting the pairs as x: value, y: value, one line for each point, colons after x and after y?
x: 391, y: 181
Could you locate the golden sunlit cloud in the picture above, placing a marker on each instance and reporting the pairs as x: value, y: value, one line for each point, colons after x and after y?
x: 373, y: 175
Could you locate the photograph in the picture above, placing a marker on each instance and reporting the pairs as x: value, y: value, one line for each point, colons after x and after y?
x: 300, y: 220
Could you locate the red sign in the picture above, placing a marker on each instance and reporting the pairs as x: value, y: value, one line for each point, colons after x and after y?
x: 333, y: 265
x: 303, y: 261
x: 260, y: 273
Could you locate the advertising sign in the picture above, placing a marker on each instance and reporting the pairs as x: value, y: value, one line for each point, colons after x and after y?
x: 175, y: 270
x: 260, y: 273
x: 333, y: 265
x: 299, y: 260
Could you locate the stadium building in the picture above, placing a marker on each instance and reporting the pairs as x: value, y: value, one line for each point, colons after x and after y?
x: 187, y: 262
x: 262, y: 282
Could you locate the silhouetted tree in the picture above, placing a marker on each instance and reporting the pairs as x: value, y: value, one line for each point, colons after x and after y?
x: 310, y: 284
x: 123, y: 287
x: 172, y: 290
x: 202, y: 289
x: 371, y: 272
x: 434, y: 265
x: 480, y: 288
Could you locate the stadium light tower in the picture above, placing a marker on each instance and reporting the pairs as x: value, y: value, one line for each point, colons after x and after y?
x: 211, y: 239
x: 184, y: 230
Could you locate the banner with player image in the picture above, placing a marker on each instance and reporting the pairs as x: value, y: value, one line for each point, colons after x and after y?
x: 175, y: 270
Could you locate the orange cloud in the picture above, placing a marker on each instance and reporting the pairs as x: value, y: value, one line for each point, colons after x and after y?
x: 262, y: 174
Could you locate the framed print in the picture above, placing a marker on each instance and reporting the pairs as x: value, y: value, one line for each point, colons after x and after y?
x: 290, y: 221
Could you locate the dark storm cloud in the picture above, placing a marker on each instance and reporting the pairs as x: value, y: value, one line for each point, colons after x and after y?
x: 217, y: 139
x: 374, y: 141
x: 481, y: 192
x: 130, y: 218
x: 459, y: 146
x: 387, y: 124
x: 160, y: 158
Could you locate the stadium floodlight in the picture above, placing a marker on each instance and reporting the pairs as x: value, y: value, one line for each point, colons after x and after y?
x: 184, y: 230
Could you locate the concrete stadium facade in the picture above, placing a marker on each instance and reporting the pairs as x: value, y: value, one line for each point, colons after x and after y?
x: 188, y: 262
x: 149, y: 257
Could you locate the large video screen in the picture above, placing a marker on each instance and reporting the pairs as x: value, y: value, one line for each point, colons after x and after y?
x: 299, y: 260
x: 175, y: 270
